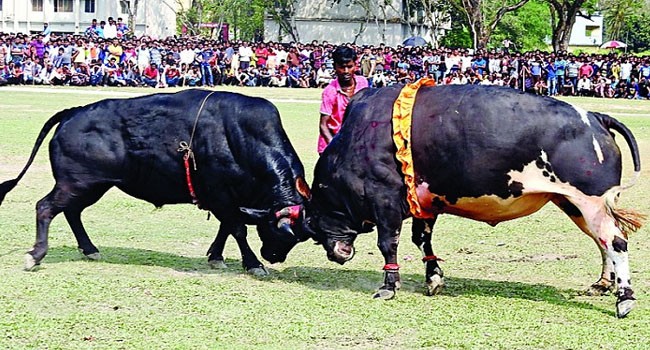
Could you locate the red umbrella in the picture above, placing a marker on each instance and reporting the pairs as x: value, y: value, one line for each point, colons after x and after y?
x: 613, y: 44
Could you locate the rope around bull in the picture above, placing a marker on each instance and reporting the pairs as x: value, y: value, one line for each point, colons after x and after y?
x: 189, y: 154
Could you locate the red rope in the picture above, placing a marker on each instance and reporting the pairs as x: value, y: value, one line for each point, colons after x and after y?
x: 188, y: 178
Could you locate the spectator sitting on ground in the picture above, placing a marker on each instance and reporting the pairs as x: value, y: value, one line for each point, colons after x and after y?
x: 150, y: 75
x: 584, y: 86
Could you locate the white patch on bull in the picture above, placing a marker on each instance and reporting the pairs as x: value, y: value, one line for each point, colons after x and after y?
x: 599, y: 152
x: 536, y: 192
x: 583, y: 114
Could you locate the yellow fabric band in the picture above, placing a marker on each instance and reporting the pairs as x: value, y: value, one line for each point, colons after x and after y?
x: 402, y: 112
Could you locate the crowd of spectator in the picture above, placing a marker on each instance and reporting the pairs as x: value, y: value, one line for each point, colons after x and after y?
x: 108, y: 54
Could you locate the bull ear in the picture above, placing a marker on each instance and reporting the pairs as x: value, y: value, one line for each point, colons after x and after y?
x: 303, y: 188
x: 255, y: 214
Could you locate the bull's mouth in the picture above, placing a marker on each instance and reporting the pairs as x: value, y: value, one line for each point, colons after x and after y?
x: 341, y: 252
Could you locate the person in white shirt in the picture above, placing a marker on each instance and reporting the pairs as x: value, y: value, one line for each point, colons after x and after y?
x: 626, y: 70
x: 245, y: 54
x: 188, y: 55
x: 110, y: 30
x: 584, y: 86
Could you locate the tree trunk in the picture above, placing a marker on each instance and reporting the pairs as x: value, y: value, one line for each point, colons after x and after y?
x: 563, y: 15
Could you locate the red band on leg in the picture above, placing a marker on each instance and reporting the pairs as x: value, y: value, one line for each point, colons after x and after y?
x: 391, y: 267
x: 431, y: 258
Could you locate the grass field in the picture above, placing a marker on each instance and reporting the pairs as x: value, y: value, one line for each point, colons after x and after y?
x: 515, y: 286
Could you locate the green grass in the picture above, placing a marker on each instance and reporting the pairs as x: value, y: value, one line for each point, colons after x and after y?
x: 515, y: 286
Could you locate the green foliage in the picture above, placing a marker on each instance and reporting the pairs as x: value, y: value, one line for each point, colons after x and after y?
x: 638, y: 34
x: 528, y: 28
x: 245, y: 17
x: 617, y: 15
x: 459, y: 35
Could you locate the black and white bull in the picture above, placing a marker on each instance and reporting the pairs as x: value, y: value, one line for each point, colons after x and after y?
x: 244, y: 170
x: 484, y: 153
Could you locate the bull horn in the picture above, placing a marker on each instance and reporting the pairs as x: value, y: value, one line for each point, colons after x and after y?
x: 284, y: 225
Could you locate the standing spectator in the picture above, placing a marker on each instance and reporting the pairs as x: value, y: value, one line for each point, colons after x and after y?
x: 586, y: 69
x: 100, y: 30
x: 367, y: 63
x: 479, y: 65
x: 551, y: 77
x: 245, y: 54
x: 91, y: 31
x: 47, y: 32
x: 143, y: 56
x: 155, y: 55
x: 337, y: 94
x: 205, y: 55
x: 262, y: 54
x: 572, y: 71
x: 110, y: 30
x: 115, y: 50
x: 188, y: 55
x: 626, y: 70
x: 644, y: 71
x: 122, y: 29
x: 560, y: 70
x: 535, y: 65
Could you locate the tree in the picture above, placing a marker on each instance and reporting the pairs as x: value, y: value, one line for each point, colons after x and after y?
x: 527, y: 30
x: 283, y: 12
x: 563, y: 17
x: 484, y: 15
x: 618, y: 15
x: 132, y: 7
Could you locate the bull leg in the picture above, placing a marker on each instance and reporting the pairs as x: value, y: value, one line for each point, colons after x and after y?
x: 46, y: 209
x: 422, y: 231
x: 73, y: 216
x: 605, y: 283
x: 249, y: 259
x: 388, y: 241
x: 602, y: 227
x: 215, y: 253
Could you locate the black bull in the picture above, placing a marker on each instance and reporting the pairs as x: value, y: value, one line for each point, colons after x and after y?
x: 485, y: 153
x: 246, y: 171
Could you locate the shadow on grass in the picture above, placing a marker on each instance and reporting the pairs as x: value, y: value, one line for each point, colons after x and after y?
x: 143, y: 257
x: 320, y: 278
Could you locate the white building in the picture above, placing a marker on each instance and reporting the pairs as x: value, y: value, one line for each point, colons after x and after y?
x: 587, y: 32
x: 156, y: 18
x: 344, y: 22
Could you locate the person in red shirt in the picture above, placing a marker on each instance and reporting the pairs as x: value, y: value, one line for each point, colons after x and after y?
x: 262, y: 53
x: 586, y: 70
x: 150, y: 75
x: 337, y: 94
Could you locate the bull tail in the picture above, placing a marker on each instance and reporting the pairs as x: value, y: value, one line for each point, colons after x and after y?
x: 9, y: 185
x: 612, y: 124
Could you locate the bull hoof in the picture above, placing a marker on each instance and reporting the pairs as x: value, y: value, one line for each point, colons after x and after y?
x: 384, y: 294
x: 217, y: 264
x: 30, y: 263
x: 94, y: 256
x: 435, y: 285
x: 260, y: 271
x: 624, y: 307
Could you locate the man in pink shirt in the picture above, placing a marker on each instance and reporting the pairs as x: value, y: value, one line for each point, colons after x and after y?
x: 337, y: 94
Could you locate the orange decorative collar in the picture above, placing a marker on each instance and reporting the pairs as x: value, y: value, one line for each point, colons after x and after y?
x: 402, y: 112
